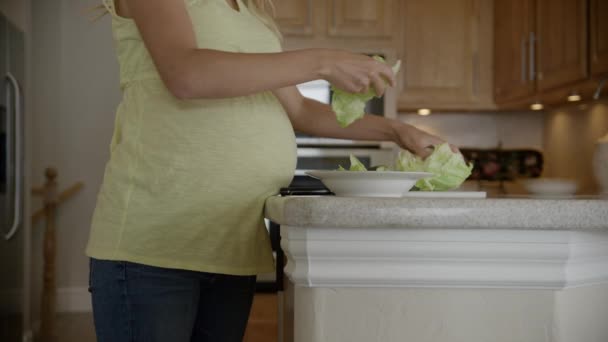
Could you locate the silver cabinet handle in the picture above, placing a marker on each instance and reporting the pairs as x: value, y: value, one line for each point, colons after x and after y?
x: 532, y: 61
x: 14, y: 147
x: 475, y: 65
x: 524, y: 43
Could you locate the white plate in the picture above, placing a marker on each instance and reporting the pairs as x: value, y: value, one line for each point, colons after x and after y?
x: 369, y: 184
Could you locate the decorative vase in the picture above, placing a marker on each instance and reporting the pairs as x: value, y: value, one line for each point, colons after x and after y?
x: 600, y: 164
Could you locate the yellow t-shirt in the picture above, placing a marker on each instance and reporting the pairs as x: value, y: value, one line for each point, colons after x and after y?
x: 186, y: 182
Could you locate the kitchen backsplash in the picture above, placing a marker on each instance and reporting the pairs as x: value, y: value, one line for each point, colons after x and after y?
x: 570, y: 134
x: 484, y: 130
x: 504, y: 164
x: 480, y: 131
x: 565, y: 136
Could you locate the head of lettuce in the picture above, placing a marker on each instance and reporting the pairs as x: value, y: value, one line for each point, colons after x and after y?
x: 350, y: 107
x: 449, y: 168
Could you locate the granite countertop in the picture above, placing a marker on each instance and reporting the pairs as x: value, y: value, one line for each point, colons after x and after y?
x: 494, y: 213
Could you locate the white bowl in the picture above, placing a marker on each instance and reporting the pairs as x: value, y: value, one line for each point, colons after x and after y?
x: 370, y: 183
x: 551, y: 187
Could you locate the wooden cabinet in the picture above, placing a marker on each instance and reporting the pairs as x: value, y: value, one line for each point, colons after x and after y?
x: 445, y: 45
x: 599, y: 36
x: 294, y: 17
x: 542, y: 51
x: 445, y: 49
x: 513, y: 24
x: 337, y: 20
x: 361, y: 18
x: 561, y: 42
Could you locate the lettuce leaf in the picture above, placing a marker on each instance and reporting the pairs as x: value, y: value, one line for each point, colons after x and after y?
x: 449, y: 169
x: 350, y: 107
x: 355, y: 165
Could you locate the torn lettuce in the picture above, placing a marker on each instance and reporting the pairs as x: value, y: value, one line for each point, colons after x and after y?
x: 449, y: 169
x: 350, y: 107
x: 355, y: 165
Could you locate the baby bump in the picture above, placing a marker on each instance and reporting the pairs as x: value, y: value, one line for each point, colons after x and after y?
x: 217, y: 143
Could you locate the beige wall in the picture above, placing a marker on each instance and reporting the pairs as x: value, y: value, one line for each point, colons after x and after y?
x: 75, y: 84
x: 17, y: 12
x: 569, y: 139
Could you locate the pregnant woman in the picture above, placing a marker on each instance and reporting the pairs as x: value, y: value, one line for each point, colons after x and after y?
x: 203, y: 135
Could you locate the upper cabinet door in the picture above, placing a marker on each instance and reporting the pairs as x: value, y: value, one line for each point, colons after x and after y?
x: 513, y: 58
x: 446, y: 54
x: 294, y: 17
x: 361, y: 18
x: 599, y: 36
x: 561, y: 42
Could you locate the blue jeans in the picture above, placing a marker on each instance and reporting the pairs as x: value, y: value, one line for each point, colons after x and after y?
x: 137, y: 303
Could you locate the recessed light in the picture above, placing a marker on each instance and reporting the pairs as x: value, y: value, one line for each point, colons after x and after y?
x: 537, y: 106
x: 424, y: 111
x: 574, y: 97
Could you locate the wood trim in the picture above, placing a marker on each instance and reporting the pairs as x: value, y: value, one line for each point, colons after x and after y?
x: 444, y: 258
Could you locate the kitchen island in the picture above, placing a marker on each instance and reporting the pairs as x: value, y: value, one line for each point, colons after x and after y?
x: 382, y: 269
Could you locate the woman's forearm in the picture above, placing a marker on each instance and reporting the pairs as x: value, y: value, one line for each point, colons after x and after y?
x: 206, y: 73
x: 191, y: 72
x: 319, y: 119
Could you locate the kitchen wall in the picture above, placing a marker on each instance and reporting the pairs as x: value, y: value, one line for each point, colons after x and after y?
x: 75, y: 95
x: 484, y: 130
x: 570, y: 136
x: 17, y: 11
x: 566, y: 136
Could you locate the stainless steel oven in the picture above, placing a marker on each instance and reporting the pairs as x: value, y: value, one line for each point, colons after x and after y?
x: 329, y: 158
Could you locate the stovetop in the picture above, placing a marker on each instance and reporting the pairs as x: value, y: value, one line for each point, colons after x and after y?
x: 305, y: 186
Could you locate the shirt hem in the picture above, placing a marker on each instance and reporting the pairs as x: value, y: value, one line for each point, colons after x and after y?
x: 173, y: 264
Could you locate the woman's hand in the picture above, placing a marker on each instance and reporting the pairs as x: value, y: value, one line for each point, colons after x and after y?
x: 418, y: 141
x: 355, y: 73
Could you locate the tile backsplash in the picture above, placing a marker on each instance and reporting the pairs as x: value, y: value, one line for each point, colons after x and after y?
x: 570, y: 134
x: 566, y: 135
x: 515, y: 130
x: 484, y: 130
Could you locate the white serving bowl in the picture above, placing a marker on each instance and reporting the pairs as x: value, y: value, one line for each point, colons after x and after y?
x: 551, y: 187
x: 369, y: 183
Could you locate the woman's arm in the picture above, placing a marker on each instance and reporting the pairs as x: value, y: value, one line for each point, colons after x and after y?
x: 190, y: 72
x: 318, y: 119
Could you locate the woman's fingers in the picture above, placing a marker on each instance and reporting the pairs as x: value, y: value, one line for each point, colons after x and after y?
x: 386, y: 73
x: 379, y: 85
x: 364, y: 83
x: 358, y: 73
x: 454, y: 148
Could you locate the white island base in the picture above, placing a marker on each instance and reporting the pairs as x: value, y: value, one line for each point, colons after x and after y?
x: 420, y: 275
